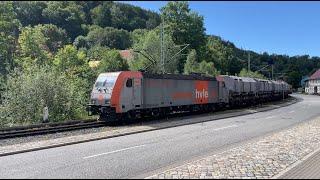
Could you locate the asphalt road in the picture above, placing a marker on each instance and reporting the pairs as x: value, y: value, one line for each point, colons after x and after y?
x: 143, y: 154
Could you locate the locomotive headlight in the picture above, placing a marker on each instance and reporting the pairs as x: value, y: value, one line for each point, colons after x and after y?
x: 93, y: 102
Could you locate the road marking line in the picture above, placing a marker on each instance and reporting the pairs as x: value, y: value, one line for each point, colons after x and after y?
x: 291, y: 111
x: 270, y: 117
x: 225, y: 127
x: 125, y: 149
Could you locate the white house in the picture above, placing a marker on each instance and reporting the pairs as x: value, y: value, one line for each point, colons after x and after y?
x: 312, y: 85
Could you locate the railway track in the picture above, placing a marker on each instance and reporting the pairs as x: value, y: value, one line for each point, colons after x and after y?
x: 22, y: 132
x: 50, y: 128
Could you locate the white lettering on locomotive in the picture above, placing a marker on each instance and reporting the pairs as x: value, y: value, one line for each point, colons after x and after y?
x: 202, y: 94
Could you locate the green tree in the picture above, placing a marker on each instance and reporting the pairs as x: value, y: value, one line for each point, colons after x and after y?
x: 2, y: 87
x: 81, y: 42
x: 110, y: 60
x: 245, y: 73
x: 56, y: 37
x: 9, y: 31
x: 123, y: 16
x: 87, y: 7
x: 150, y: 53
x: 68, y: 15
x: 138, y: 36
x: 191, y: 64
x: 294, y: 79
x: 185, y: 26
x: 30, y: 91
x: 153, y: 20
x: 223, y: 55
x: 208, y: 68
x: 74, y: 63
x: 33, y: 47
x: 30, y: 12
x: 109, y: 37
x: 101, y: 14
x: 40, y: 43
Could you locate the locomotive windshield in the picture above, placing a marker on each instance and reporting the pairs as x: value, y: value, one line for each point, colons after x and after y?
x: 106, y: 82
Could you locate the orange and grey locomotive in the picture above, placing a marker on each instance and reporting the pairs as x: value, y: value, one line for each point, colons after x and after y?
x: 132, y: 94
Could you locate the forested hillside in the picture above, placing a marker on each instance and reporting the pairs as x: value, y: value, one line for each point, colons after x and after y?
x: 46, y: 47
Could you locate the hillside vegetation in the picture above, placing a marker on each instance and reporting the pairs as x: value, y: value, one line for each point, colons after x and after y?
x: 46, y: 47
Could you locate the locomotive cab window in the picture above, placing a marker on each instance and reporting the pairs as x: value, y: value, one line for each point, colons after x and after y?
x: 129, y: 83
x: 105, y: 81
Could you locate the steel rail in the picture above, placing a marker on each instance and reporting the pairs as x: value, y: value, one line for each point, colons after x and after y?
x: 48, y: 130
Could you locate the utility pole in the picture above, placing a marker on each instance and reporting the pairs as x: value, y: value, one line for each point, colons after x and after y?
x: 272, y: 72
x: 249, y: 68
x: 162, y: 53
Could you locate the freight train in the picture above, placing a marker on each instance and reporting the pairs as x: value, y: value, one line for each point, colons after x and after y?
x: 135, y: 94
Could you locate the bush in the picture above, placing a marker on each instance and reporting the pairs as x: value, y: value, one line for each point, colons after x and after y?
x: 29, y: 92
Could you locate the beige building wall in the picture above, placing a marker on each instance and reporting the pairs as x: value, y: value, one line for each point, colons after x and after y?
x: 312, y: 86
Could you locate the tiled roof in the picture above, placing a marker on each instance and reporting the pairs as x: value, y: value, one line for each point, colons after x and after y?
x: 315, y: 75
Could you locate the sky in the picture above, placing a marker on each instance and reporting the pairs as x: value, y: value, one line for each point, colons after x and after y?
x: 291, y: 28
